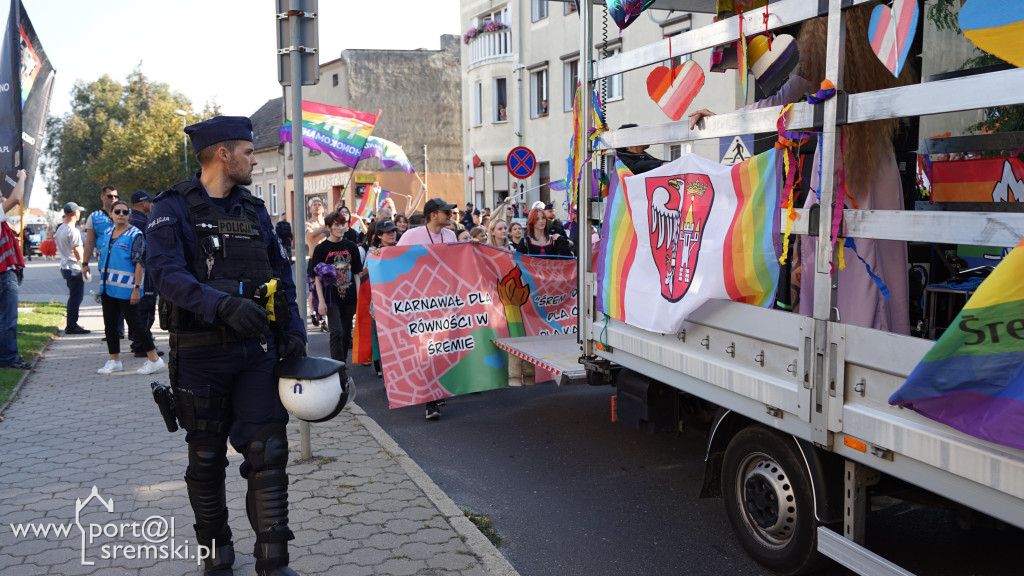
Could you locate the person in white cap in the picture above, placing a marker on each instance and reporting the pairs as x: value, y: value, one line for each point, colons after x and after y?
x: 72, y: 253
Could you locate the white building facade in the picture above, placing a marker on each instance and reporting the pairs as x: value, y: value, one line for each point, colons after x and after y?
x: 520, y: 61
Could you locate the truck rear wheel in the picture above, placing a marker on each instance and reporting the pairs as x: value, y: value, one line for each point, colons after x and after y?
x: 769, y: 502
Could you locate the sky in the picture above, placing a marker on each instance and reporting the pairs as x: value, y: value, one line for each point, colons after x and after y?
x: 222, y: 50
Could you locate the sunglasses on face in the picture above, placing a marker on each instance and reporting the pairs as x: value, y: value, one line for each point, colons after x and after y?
x: 112, y: 196
x: 122, y: 211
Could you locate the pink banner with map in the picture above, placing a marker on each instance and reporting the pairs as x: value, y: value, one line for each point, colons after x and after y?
x: 438, y: 307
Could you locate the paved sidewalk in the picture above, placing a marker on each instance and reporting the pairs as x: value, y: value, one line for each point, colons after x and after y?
x: 361, y: 506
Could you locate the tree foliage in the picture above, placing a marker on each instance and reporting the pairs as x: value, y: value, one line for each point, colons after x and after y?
x: 122, y: 134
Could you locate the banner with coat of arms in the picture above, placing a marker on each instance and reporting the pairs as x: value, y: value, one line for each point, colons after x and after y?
x: 687, y: 232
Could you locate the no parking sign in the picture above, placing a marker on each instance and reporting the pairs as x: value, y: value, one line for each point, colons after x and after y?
x: 521, y: 162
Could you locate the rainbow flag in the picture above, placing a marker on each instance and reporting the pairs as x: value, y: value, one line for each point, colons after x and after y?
x: 390, y: 154
x: 369, y: 202
x: 687, y: 232
x: 338, y: 132
x: 617, y: 247
x: 973, y: 378
x: 978, y: 180
x: 384, y: 195
x: 750, y: 264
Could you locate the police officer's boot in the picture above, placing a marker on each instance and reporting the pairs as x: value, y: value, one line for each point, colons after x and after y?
x: 266, y: 502
x: 205, y: 481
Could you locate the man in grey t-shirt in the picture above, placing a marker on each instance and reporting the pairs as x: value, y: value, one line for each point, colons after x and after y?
x: 69, y: 246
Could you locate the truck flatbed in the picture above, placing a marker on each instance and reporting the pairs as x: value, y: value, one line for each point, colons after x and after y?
x: 559, y: 354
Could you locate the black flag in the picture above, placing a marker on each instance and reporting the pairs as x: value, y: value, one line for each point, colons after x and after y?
x: 35, y: 84
x: 10, y: 102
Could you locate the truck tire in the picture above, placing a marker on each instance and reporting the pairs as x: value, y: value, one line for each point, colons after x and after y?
x: 769, y: 502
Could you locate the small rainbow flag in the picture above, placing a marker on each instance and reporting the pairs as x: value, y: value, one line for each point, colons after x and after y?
x: 750, y: 259
x: 384, y: 195
x: 338, y: 132
x: 369, y: 202
x: 617, y: 247
x: 973, y: 378
x: 390, y: 154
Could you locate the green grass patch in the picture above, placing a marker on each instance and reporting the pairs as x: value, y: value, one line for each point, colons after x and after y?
x: 35, y: 330
x: 483, y: 523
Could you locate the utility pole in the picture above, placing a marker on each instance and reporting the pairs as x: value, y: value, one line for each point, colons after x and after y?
x: 298, y: 64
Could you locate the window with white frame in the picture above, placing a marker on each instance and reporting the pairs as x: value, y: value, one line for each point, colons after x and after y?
x: 259, y: 191
x: 611, y: 86
x: 676, y: 61
x: 539, y: 93
x: 478, y: 104
x: 571, y: 75
x: 500, y: 177
x: 479, y: 173
x: 500, y: 100
x: 538, y: 10
x: 499, y: 15
x: 273, y: 198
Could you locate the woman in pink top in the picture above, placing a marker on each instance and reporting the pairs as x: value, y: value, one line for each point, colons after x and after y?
x: 871, y: 173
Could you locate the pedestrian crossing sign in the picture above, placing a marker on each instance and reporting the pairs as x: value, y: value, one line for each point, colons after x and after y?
x: 736, y: 149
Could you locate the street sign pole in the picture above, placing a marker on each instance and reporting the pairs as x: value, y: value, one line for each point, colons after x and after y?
x: 292, y: 45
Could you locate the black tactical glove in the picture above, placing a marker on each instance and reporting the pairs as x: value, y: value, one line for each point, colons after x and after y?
x: 290, y: 345
x: 244, y: 316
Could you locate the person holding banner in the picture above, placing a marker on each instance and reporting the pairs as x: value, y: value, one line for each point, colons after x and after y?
x: 335, y: 265
x: 497, y: 234
x: 11, y: 266
x: 436, y: 216
x: 537, y: 241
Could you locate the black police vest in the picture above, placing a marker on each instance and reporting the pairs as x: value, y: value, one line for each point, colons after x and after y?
x: 230, y: 253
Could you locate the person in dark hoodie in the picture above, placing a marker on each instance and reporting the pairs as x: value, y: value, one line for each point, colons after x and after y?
x: 635, y: 157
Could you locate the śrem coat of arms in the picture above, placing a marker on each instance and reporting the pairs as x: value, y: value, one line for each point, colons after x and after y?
x: 679, y: 212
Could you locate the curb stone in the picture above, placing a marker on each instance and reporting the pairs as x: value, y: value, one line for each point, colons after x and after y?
x: 493, y: 561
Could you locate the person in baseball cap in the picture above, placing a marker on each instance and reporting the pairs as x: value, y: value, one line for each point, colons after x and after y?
x: 140, y: 196
x: 436, y: 215
x: 69, y: 246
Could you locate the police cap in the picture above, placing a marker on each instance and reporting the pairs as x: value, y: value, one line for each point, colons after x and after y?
x: 219, y: 129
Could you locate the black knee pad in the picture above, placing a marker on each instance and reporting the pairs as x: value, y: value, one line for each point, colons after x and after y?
x: 268, y: 449
x: 207, y: 459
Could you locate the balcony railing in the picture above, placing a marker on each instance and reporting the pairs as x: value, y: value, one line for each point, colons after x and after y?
x: 490, y: 47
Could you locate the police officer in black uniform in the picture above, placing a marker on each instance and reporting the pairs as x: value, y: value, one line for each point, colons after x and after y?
x: 210, y: 246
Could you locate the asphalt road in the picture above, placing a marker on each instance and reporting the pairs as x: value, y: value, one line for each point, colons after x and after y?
x: 573, y: 493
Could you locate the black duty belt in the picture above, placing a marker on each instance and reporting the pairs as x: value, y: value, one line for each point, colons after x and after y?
x: 207, y: 338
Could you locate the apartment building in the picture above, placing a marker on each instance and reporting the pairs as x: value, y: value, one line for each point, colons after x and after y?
x: 521, y: 62
x: 419, y: 95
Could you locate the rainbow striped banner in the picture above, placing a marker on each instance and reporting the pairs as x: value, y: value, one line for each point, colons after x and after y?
x: 338, y: 132
x: 389, y: 153
x: 973, y: 378
x: 384, y: 195
x: 750, y: 258
x: 618, y: 247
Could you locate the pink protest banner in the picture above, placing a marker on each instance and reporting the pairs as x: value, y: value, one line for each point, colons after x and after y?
x: 438, y: 307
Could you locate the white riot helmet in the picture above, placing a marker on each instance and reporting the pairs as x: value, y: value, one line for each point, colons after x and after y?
x: 314, y: 389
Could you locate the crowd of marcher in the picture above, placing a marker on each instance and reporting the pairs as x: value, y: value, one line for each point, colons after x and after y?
x: 339, y: 243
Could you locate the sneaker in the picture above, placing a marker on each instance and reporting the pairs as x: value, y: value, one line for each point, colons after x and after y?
x: 150, y: 367
x: 432, y: 411
x: 111, y: 366
x: 76, y: 330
